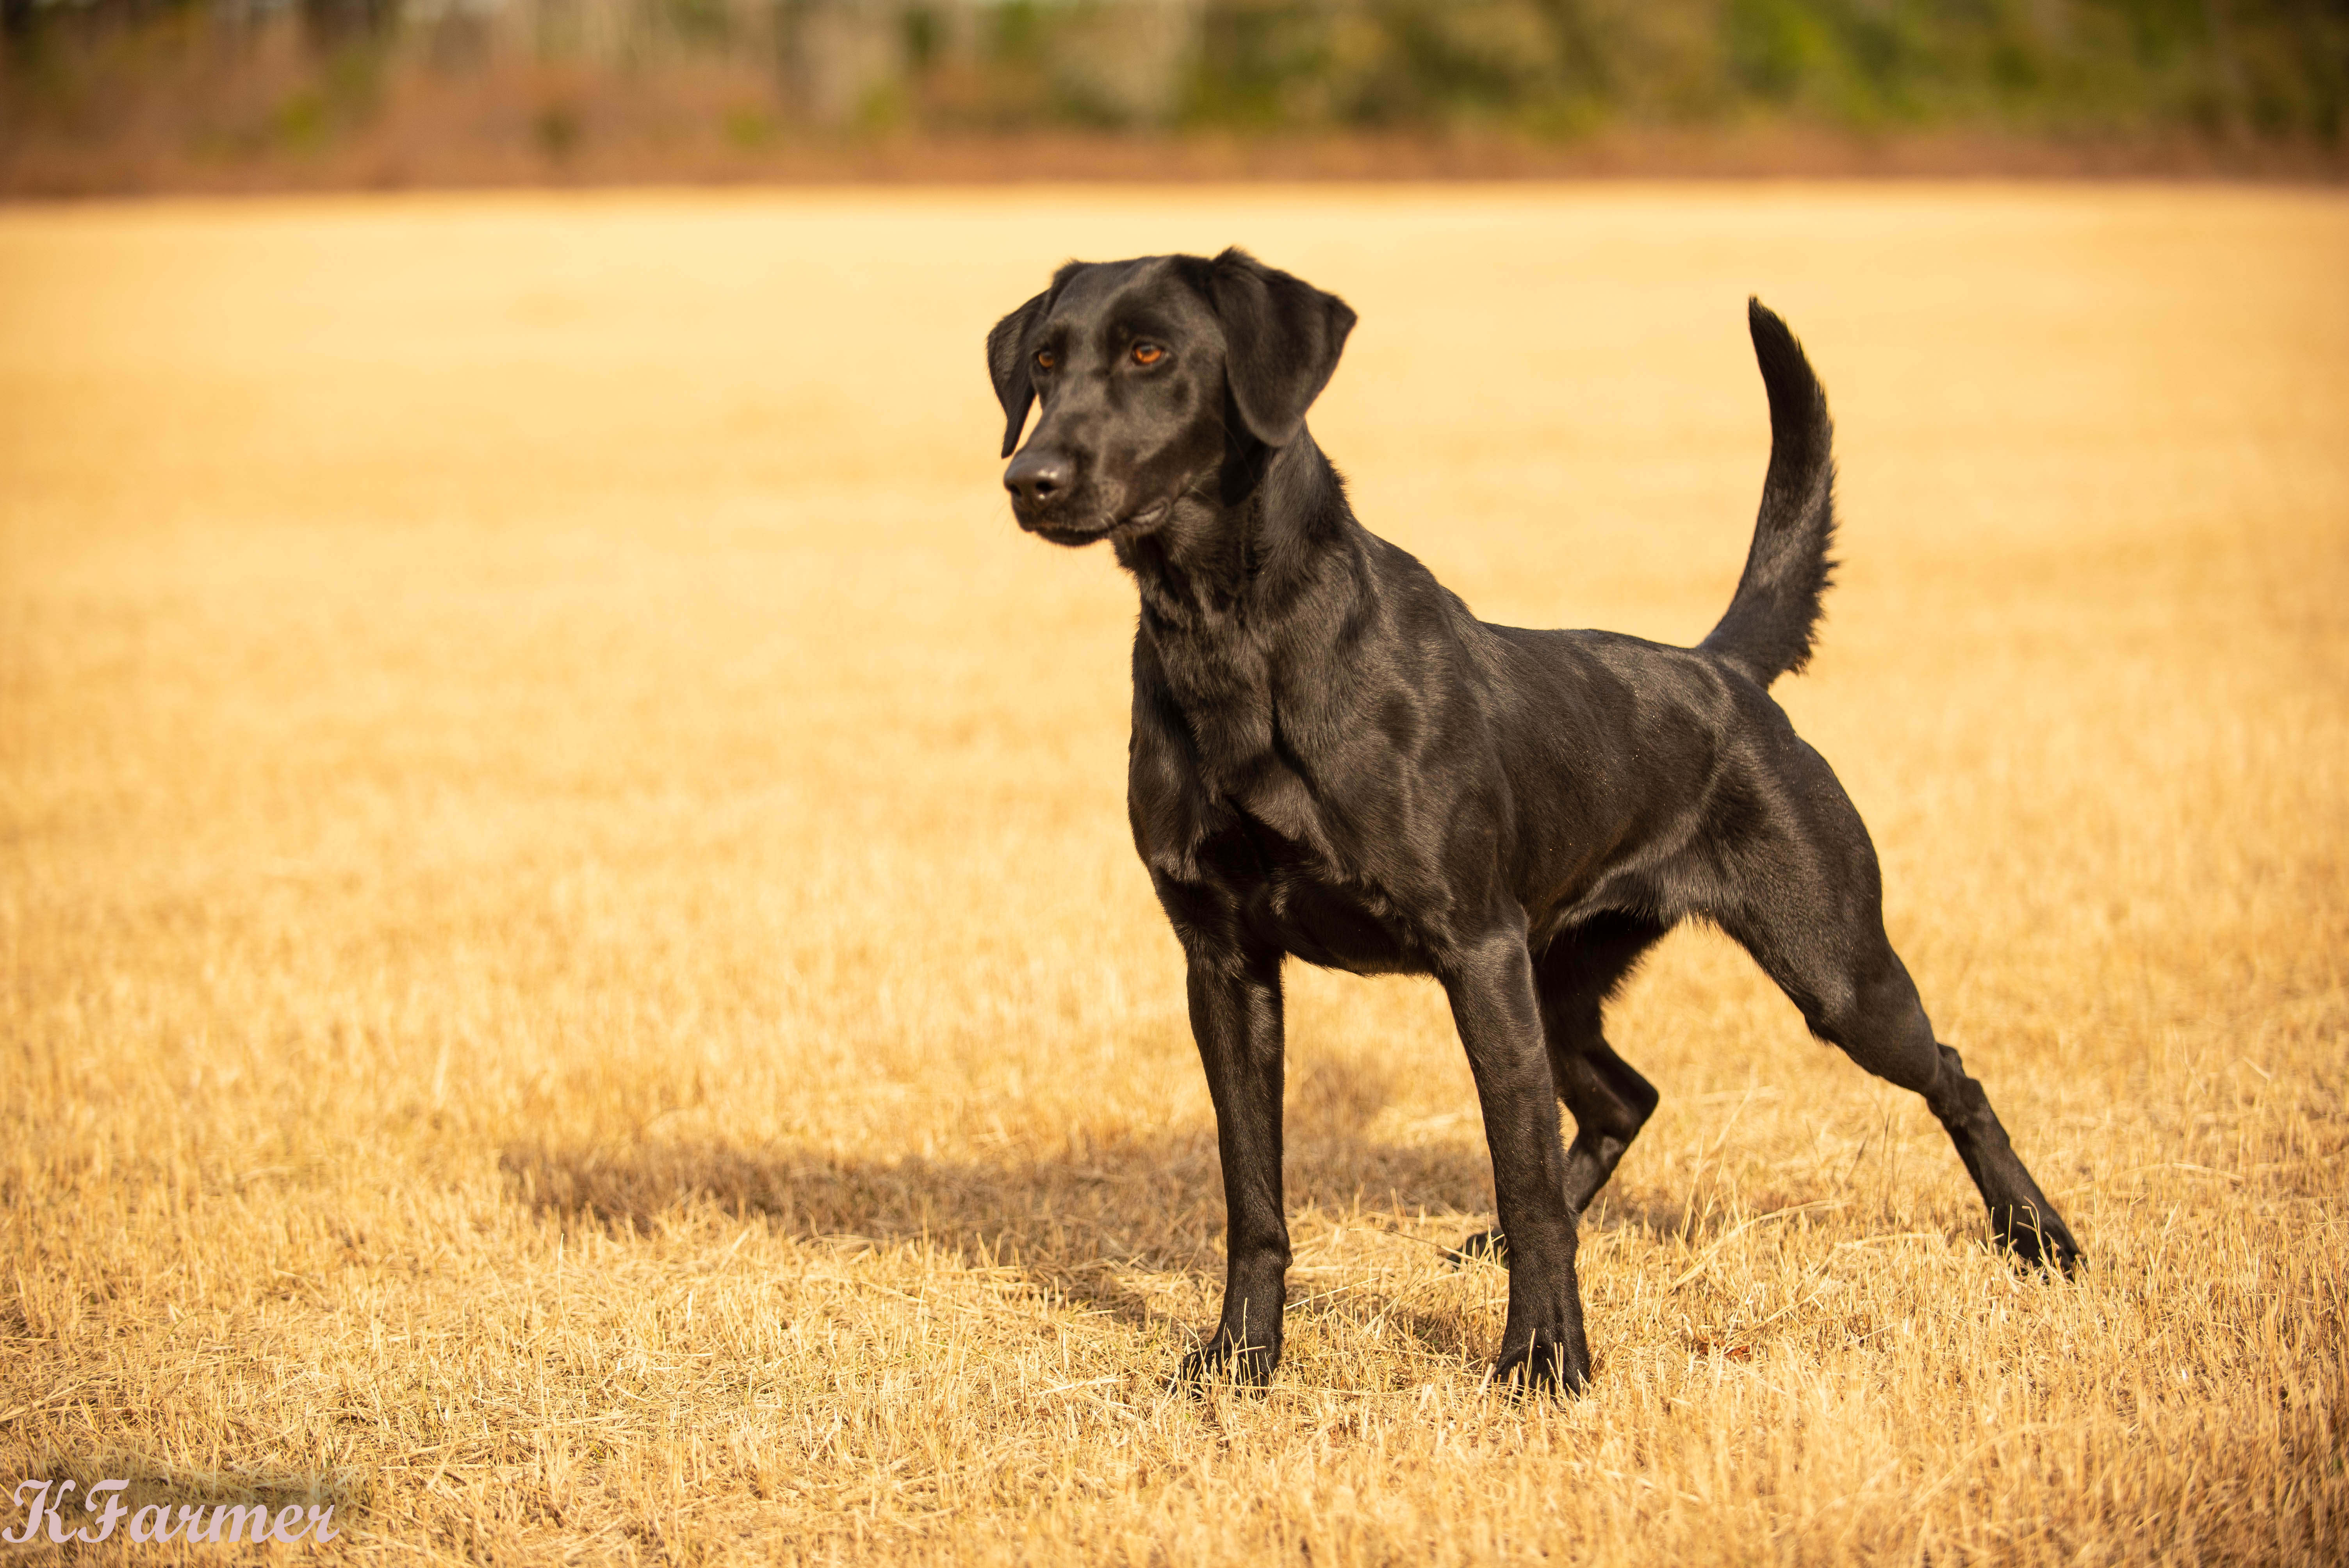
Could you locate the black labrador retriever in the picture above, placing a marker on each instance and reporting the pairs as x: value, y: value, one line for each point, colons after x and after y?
x: 1331, y: 757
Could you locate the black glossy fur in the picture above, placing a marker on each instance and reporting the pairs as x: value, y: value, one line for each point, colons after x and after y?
x: 1333, y: 758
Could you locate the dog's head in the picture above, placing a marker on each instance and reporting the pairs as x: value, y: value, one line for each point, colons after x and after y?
x: 1154, y: 375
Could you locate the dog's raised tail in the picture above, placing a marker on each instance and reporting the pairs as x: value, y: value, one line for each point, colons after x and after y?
x: 1772, y: 618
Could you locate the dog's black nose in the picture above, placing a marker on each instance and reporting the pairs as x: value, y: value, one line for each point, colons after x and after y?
x: 1037, y: 478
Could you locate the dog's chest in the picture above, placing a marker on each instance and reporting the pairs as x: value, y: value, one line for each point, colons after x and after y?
x: 1304, y: 904
x: 1227, y: 801
x: 1209, y: 738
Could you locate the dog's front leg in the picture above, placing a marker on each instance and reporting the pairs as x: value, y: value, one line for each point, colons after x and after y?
x: 1491, y: 987
x: 1236, y: 1015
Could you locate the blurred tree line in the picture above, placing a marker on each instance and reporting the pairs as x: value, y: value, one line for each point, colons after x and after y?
x: 1540, y: 69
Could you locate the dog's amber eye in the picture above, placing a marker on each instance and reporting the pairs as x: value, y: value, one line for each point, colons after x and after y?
x: 1044, y: 360
x: 1148, y: 354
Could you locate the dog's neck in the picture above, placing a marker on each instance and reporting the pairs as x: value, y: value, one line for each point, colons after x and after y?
x: 1242, y: 553
x: 1235, y: 589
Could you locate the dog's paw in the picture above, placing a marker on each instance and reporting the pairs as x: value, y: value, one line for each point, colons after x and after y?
x: 1485, y: 1247
x: 2037, y: 1239
x: 1545, y: 1366
x: 1247, y: 1368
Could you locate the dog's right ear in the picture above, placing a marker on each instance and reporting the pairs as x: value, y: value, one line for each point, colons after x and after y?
x: 1006, y: 361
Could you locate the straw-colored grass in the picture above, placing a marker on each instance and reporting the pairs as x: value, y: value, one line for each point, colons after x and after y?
x: 574, y: 978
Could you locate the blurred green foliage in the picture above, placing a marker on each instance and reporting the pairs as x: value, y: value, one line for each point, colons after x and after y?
x: 2225, y: 69
x: 2269, y: 67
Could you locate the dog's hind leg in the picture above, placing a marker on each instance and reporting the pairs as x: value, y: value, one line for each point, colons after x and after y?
x: 1809, y: 911
x: 1611, y: 1103
x: 1575, y: 974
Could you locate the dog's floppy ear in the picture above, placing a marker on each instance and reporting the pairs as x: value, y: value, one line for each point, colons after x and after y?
x: 1006, y: 361
x: 1281, y: 337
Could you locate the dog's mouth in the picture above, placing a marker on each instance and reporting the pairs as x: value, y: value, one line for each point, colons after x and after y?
x: 1067, y: 531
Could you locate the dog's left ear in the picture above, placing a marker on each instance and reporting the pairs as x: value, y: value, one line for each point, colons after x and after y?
x: 1282, y: 337
x: 1006, y: 361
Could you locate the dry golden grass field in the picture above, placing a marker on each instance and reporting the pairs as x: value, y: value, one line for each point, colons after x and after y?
x: 575, y: 982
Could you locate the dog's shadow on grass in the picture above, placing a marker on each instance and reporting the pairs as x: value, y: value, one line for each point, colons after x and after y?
x: 1079, y: 1225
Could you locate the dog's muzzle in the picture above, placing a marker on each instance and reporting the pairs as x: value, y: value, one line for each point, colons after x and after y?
x: 1039, y: 479
x: 1046, y: 499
